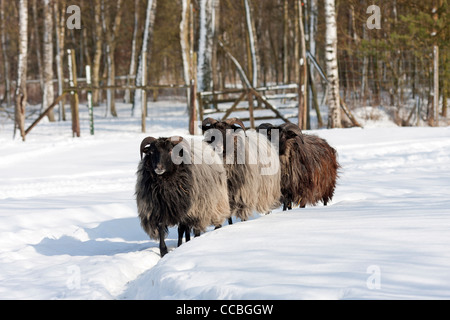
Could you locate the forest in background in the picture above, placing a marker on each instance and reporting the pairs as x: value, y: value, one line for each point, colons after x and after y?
x: 390, y: 66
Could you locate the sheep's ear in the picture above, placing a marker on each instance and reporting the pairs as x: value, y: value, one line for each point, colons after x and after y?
x: 144, y: 145
x: 176, y: 140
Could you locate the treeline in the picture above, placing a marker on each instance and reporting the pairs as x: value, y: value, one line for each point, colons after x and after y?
x: 393, y: 62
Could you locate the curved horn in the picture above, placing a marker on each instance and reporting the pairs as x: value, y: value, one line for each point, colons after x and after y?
x: 176, y: 139
x: 207, y: 123
x: 232, y: 121
x: 265, y: 126
x: 145, y: 143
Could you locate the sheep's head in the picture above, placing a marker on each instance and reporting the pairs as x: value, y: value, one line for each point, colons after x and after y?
x: 161, y: 156
x: 219, y: 133
x: 292, y: 131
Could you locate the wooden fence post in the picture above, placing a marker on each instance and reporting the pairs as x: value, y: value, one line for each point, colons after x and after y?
x: 74, y: 94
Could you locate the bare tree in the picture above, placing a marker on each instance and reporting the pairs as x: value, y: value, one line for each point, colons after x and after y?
x: 98, y: 51
x: 48, y: 94
x: 132, y: 70
x: 21, y: 90
x: 254, y: 58
x: 205, y: 46
x: 59, y: 36
x: 146, y: 38
x: 111, y: 36
x: 185, y: 44
x: 334, y: 113
x: 4, y: 41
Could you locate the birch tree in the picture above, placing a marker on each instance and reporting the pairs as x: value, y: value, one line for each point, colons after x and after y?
x: 185, y: 44
x: 98, y: 51
x: 111, y: 36
x: 48, y: 94
x: 132, y: 70
x: 37, y: 43
x: 334, y: 113
x: 4, y: 44
x: 254, y: 58
x: 59, y: 36
x: 205, y: 45
x: 148, y: 31
x: 21, y: 90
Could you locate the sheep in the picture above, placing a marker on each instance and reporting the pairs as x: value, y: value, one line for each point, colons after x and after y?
x: 177, y: 186
x: 251, y: 163
x: 309, y: 166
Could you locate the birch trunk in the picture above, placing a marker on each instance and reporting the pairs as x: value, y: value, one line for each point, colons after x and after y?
x: 4, y: 41
x: 205, y: 45
x: 98, y: 52
x: 302, y: 73
x: 35, y: 34
x: 312, y: 27
x: 21, y: 90
x: 252, y: 43
x: 132, y: 70
x: 59, y: 35
x: 111, y: 37
x: 48, y: 92
x: 185, y: 44
x: 334, y: 113
x: 146, y: 38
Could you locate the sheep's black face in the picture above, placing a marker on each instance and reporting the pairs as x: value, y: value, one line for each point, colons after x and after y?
x: 158, y: 157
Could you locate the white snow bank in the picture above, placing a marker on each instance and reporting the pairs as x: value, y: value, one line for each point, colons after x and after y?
x: 69, y: 226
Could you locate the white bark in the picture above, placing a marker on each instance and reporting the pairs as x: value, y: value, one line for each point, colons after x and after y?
x: 111, y: 36
x: 132, y: 70
x: 313, y: 27
x: 37, y: 41
x: 98, y: 51
x: 48, y: 92
x: 205, y: 46
x: 334, y: 113
x: 184, y: 40
x: 252, y: 41
x: 59, y: 35
x: 7, y: 96
x: 21, y: 90
x: 148, y: 31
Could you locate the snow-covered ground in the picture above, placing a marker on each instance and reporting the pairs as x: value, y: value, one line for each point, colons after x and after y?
x: 69, y: 226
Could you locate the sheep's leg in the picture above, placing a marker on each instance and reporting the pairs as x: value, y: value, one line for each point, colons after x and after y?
x: 196, y: 233
x: 162, y: 244
x: 181, y: 230
x: 188, y: 234
x: 230, y: 221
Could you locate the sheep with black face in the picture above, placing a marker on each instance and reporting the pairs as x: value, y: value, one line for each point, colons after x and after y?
x: 176, y: 187
x: 251, y: 163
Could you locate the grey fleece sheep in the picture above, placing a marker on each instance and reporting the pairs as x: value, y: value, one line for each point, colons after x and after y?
x: 182, y: 184
x: 252, y: 166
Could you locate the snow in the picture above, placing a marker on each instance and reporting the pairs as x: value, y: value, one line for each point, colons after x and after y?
x: 69, y: 226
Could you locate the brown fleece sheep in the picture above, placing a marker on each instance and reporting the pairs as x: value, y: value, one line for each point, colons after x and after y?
x: 309, y: 166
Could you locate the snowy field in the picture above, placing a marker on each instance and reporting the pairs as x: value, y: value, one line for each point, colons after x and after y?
x: 69, y: 226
